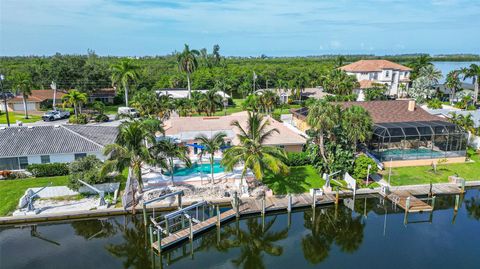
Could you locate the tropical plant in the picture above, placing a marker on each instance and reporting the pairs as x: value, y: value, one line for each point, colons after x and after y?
x: 252, y: 151
x: 212, y: 145
x: 339, y: 82
x: 322, y: 118
x: 357, y: 124
x: 434, y: 103
x: 473, y: 71
x: 130, y: 149
x: 464, y: 121
x: 376, y: 92
x: 125, y: 72
x: 430, y: 73
x: 76, y: 99
x: 187, y: 62
x: 269, y: 100
x: 211, y: 101
x: 453, y: 83
x: 361, y: 169
x: 23, y: 84
x: 165, y: 151
x: 183, y: 106
x: 86, y: 169
x: 422, y: 89
x: 419, y: 63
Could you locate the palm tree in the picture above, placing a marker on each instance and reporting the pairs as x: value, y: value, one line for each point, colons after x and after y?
x: 269, y: 100
x: 23, y: 84
x: 322, y: 118
x: 124, y: 73
x: 130, y: 149
x: 210, y: 101
x: 431, y: 74
x: 183, y: 106
x: 252, y: 151
x: 417, y: 64
x: 165, y: 151
x: 473, y: 72
x: 187, y: 62
x: 74, y: 98
x: 212, y: 145
x: 453, y: 82
x: 358, y: 124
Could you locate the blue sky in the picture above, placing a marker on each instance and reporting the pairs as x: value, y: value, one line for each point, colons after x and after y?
x: 242, y: 28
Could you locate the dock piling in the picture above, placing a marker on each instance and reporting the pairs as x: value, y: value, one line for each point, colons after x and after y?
x: 457, y: 202
x: 218, y: 216
x: 144, y: 214
x: 289, y: 207
x: 314, y: 200
x: 263, y: 206
x: 433, y: 202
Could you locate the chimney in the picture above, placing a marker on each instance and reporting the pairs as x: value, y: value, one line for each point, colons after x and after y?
x: 411, y: 105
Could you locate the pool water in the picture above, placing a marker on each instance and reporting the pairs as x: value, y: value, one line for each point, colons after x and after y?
x: 196, y: 168
x: 412, y: 153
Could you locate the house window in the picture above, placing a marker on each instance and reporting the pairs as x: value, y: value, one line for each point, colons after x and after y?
x: 45, y: 158
x: 23, y: 162
x: 387, y: 74
x: 405, y: 74
x: 364, y: 73
x: 80, y: 155
x: 9, y: 163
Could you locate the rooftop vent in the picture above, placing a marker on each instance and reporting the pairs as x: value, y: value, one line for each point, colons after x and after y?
x: 30, y: 127
x: 56, y: 126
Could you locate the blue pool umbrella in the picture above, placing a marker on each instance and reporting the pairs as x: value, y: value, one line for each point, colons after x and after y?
x: 225, y: 147
x: 196, y: 146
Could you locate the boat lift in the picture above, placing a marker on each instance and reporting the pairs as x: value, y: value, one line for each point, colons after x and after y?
x: 100, y: 193
x: 30, y: 196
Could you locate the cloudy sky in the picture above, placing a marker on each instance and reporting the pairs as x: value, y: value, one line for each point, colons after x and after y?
x: 242, y: 27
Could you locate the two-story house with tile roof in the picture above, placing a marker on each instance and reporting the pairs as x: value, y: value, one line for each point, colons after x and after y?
x: 384, y: 72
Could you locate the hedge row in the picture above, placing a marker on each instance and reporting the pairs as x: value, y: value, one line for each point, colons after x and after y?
x: 48, y: 169
x: 297, y: 159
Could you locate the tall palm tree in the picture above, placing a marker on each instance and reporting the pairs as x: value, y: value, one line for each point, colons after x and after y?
x: 252, y: 151
x: 131, y: 148
x: 212, y: 145
x: 358, y: 124
x: 322, y: 118
x: 417, y: 64
x: 269, y: 100
x: 453, y: 83
x: 473, y: 71
x: 183, y: 106
x: 125, y: 72
x: 23, y: 84
x: 187, y: 62
x: 74, y: 98
x: 166, y: 151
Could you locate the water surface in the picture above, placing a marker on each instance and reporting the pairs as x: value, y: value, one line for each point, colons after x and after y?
x: 372, y: 235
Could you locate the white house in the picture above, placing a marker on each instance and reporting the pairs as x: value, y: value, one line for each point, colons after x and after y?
x: 177, y: 93
x: 21, y: 146
x: 384, y: 72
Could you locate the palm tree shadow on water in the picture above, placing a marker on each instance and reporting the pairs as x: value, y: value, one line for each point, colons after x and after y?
x: 329, y: 227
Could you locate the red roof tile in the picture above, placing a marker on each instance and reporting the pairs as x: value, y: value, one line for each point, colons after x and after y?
x: 373, y: 65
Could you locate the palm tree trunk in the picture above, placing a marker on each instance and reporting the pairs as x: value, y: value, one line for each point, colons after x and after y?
x: 211, y: 166
x: 25, y: 106
x: 75, y: 110
x: 188, y: 86
x: 171, y: 170
x: 322, y: 148
x: 475, y: 94
x: 126, y: 95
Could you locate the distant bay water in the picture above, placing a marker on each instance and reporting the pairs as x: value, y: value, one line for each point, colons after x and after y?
x: 446, y: 67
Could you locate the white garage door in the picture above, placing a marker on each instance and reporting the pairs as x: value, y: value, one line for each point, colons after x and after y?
x: 19, y: 106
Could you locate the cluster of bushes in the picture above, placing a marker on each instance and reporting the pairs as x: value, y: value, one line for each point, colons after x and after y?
x: 87, y: 169
x: 80, y: 119
x: 434, y: 103
x: 297, y: 159
x: 360, y: 168
x: 48, y: 169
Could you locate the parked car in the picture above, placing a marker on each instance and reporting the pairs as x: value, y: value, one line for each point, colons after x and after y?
x: 128, y: 111
x: 56, y: 115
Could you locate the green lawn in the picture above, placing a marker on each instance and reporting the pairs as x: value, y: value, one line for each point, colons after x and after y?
x: 112, y: 109
x: 425, y: 174
x: 12, y: 190
x: 299, y: 180
x: 18, y: 116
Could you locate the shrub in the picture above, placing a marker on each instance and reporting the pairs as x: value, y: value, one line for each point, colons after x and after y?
x: 361, y: 166
x: 48, y: 169
x: 81, y: 119
x: 277, y: 116
x: 86, y: 169
x: 434, y: 103
x: 101, y: 118
x: 297, y: 159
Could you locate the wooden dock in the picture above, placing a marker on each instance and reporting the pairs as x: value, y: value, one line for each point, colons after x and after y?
x: 400, y: 197
x: 246, y: 206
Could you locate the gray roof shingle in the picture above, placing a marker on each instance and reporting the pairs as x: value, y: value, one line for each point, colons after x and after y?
x: 39, y: 140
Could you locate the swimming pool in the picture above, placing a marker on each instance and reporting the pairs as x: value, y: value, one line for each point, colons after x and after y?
x: 196, y: 168
x: 420, y: 153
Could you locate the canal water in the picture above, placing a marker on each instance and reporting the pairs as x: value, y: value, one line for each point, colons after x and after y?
x: 446, y: 67
x: 372, y: 235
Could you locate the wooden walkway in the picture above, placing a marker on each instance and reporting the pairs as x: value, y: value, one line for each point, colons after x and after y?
x: 400, y: 197
x: 247, y: 206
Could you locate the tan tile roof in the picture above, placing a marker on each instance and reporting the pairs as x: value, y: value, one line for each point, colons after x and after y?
x: 373, y: 65
x: 39, y: 96
x: 189, y: 127
x: 364, y: 84
x: 385, y: 111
